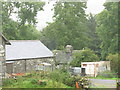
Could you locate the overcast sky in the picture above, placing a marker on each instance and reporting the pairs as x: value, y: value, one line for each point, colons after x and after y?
x: 93, y: 6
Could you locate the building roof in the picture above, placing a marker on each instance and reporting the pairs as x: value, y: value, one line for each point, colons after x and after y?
x: 6, y: 41
x: 63, y: 57
x: 27, y: 49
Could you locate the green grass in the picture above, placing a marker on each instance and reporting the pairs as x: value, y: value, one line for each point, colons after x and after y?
x: 32, y: 82
x: 28, y: 84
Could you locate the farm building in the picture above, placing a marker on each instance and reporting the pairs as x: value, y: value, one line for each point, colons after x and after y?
x: 3, y: 42
x: 64, y: 57
x: 27, y: 56
x: 93, y: 68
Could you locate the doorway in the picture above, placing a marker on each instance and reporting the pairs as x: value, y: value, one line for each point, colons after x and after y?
x: 83, y: 72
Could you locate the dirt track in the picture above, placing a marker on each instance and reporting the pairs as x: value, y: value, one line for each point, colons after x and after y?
x: 102, y: 83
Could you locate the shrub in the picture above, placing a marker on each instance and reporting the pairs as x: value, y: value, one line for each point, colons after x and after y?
x: 70, y: 81
x: 62, y: 76
x: 42, y: 83
x: 86, y: 55
x: 34, y: 81
x: 113, y: 62
x: 7, y: 82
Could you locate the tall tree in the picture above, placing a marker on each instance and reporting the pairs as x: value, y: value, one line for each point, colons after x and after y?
x: 69, y: 25
x: 107, y: 28
x: 94, y: 39
x: 26, y: 13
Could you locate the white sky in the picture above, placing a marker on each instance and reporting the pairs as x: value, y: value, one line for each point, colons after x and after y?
x: 93, y: 6
x: 45, y: 16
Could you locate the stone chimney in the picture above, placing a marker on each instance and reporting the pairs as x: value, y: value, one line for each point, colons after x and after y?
x: 69, y: 49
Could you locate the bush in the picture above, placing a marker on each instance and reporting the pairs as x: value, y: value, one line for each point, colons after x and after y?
x: 34, y: 81
x: 7, y: 82
x: 62, y: 76
x: 42, y: 83
x: 113, y: 58
x: 107, y: 74
x: 86, y: 55
x: 70, y: 81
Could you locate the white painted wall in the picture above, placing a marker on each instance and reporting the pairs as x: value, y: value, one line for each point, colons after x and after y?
x: 92, y: 68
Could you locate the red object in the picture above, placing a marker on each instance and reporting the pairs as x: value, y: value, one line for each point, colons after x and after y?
x: 77, y: 85
x: 84, y: 64
x: 17, y: 74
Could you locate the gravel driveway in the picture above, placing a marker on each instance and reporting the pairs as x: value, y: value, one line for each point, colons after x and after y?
x: 102, y: 83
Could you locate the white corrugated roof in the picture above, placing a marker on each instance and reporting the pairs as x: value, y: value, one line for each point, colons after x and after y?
x: 26, y: 49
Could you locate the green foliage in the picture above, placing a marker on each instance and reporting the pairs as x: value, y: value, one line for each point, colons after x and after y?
x: 59, y: 78
x: 28, y: 32
x: 58, y: 75
x: 12, y: 31
x: 23, y: 27
x: 7, y: 82
x: 85, y: 55
x: 70, y: 81
x: 26, y: 11
x: 107, y: 29
x: 69, y: 26
x: 94, y: 39
x: 107, y: 74
x: 34, y: 81
x: 113, y: 58
x: 43, y: 83
x: 62, y: 76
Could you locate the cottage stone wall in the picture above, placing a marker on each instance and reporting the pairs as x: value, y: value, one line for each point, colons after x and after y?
x: 19, y: 66
x: 2, y: 59
x: 23, y: 66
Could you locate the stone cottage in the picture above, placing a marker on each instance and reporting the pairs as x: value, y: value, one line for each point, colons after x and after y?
x: 27, y: 56
x: 64, y: 57
x: 3, y: 42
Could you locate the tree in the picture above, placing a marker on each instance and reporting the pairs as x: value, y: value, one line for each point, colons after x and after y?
x: 28, y: 32
x: 69, y: 26
x: 94, y: 39
x: 86, y: 55
x: 49, y: 36
x: 107, y: 29
x: 10, y: 30
x: 26, y: 12
x: 113, y: 58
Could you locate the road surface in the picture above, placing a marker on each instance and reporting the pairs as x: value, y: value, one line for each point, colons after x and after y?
x: 102, y: 83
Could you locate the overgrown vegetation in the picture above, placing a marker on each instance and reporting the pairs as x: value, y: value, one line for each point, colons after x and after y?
x: 60, y: 78
x: 85, y: 55
x: 113, y: 58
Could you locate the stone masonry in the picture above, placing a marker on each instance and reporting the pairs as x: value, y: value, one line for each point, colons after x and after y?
x: 23, y: 66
